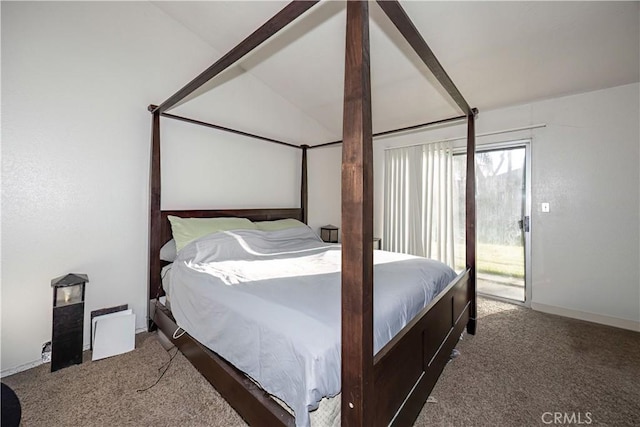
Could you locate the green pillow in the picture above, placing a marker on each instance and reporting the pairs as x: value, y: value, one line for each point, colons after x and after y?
x: 187, y: 229
x: 279, y: 224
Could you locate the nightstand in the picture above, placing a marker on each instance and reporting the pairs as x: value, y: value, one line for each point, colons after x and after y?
x: 377, y: 243
x: 329, y: 233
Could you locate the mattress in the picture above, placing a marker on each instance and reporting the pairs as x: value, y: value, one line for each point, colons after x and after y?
x: 269, y: 303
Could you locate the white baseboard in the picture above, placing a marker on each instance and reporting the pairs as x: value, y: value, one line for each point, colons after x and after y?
x: 20, y: 368
x: 24, y: 367
x: 589, y: 317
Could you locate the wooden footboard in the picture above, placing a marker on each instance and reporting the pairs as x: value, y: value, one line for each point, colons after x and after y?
x: 407, y: 368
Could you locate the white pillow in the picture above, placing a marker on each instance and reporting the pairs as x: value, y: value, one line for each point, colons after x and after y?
x: 168, y: 252
x: 279, y: 224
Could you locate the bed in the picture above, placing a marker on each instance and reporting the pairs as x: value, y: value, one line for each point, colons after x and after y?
x: 381, y: 382
x: 268, y: 301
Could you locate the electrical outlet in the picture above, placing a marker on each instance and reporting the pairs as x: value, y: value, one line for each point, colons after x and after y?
x: 46, y: 352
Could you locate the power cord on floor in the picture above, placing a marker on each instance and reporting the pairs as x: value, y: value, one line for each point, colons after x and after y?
x: 175, y: 337
x: 166, y: 366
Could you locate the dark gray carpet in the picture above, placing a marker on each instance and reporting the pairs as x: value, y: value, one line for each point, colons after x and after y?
x: 524, y: 368
x: 521, y: 369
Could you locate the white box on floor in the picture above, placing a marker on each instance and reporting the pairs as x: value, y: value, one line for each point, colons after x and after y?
x: 113, y: 334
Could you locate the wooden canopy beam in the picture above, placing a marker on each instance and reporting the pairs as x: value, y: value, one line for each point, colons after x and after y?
x: 152, y: 108
x: 226, y: 129
x: 403, y: 23
x: 280, y: 20
x: 403, y: 129
x: 357, y: 224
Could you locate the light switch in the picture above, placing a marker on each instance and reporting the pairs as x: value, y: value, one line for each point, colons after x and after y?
x: 544, y: 207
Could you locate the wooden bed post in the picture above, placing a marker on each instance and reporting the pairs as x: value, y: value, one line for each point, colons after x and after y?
x: 357, y: 224
x: 471, y: 220
x: 154, y: 208
x: 304, y: 191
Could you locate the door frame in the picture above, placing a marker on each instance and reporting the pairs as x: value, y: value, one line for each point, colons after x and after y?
x: 510, y: 144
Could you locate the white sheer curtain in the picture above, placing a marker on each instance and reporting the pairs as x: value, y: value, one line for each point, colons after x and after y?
x: 418, y: 201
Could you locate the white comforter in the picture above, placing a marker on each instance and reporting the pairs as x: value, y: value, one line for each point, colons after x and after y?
x: 269, y: 303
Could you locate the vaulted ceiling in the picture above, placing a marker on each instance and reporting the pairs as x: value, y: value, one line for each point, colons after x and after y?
x: 497, y: 53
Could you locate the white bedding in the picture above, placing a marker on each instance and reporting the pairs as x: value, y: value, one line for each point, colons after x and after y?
x: 269, y: 303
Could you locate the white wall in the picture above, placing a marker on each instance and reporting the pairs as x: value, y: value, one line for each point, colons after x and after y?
x: 204, y: 168
x: 76, y: 79
x: 586, y: 164
x: 324, y: 176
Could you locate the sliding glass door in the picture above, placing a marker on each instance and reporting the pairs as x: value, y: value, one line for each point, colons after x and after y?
x: 502, y: 209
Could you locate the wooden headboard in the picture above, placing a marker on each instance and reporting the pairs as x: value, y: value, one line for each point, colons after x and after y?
x: 269, y: 214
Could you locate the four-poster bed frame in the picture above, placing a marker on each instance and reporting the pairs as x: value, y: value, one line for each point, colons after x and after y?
x: 390, y: 387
